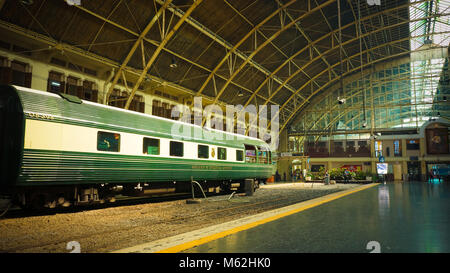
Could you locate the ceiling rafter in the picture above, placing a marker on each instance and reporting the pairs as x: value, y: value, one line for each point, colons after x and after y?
x: 327, y: 35
x: 136, y: 44
x: 166, y: 39
x: 155, y: 43
x: 349, y: 72
x: 287, y: 26
x: 356, y: 55
x: 282, y: 22
x: 234, y: 49
x: 103, y: 25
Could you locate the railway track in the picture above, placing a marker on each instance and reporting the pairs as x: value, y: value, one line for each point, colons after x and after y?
x: 17, y: 212
x: 194, y: 220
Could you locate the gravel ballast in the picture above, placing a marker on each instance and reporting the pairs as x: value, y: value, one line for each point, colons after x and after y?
x: 112, y: 228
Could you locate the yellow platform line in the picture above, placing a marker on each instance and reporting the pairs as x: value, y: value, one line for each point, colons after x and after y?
x: 316, y: 202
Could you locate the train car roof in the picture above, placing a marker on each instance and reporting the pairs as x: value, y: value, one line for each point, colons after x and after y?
x: 86, y: 113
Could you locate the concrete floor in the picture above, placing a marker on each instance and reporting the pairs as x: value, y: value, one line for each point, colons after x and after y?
x: 398, y: 217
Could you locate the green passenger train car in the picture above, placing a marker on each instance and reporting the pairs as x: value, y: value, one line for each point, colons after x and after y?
x: 56, y: 149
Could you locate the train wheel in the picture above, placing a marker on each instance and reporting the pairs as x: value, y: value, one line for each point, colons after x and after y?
x: 36, y: 202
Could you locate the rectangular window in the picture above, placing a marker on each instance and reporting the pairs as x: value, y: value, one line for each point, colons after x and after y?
x: 222, y: 153
x: 239, y: 155
x: 55, y: 82
x: 72, y: 87
x: 151, y: 146
x: 412, y: 144
x: 19, y: 74
x: 203, y: 151
x: 109, y: 142
x: 262, y: 155
x: 378, y: 148
x: 176, y: 148
x: 397, y: 148
x: 250, y: 154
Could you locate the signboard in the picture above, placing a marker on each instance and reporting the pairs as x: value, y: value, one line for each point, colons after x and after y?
x: 381, y: 159
x: 382, y: 168
x: 352, y: 168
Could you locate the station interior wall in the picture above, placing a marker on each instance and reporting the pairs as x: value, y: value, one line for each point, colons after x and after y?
x: 399, y: 167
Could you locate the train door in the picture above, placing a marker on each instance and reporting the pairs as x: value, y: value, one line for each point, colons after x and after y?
x: 11, y: 135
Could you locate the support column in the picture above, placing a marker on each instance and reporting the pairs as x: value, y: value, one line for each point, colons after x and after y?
x: 423, y: 167
x: 372, y: 155
x: 404, y: 160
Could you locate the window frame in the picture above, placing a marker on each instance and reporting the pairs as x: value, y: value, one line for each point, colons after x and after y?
x: 145, y: 151
x: 242, y: 155
x: 218, y: 153
x: 251, y: 159
x: 171, y: 152
x: 207, y: 151
x: 114, y: 135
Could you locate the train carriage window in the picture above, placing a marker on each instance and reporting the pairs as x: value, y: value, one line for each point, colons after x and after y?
x: 109, y: 142
x: 250, y: 154
x: 221, y: 153
x: 203, y: 151
x: 239, y: 155
x: 176, y: 148
x: 262, y: 155
x: 151, y: 146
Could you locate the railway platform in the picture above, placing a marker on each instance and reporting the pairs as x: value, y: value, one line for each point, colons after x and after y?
x: 394, y: 217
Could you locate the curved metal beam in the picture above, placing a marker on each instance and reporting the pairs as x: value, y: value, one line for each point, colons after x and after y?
x: 275, y: 35
x: 360, y: 114
x: 225, y: 58
x: 335, y: 106
x: 219, y: 40
x: 348, y: 72
x: 134, y: 47
x: 156, y: 44
x: 347, y: 110
x: 278, y: 49
x: 334, y: 65
x: 160, y: 47
x: 103, y: 25
x: 328, y: 35
x: 346, y: 42
x: 345, y: 74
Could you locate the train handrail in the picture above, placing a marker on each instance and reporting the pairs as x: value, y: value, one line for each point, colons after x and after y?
x: 200, y: 186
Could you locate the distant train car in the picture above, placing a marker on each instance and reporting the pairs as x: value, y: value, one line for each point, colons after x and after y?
x: 58, y: 150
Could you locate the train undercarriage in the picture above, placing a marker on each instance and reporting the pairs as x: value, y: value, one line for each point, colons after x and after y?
x: 50, y: 197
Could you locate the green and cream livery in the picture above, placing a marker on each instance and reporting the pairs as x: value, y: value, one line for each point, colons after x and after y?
x: 60, y: 150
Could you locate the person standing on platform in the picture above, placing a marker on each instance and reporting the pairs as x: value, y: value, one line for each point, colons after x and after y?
x: 327, y: 178
x: 346, y: 176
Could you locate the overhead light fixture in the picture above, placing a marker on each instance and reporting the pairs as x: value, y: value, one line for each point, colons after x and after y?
x: 444, y: 98
x: 74, y: 2
x: 240, y: 94
x: 438, y: 114
x: 174, y: 63
x: 27, y: 2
